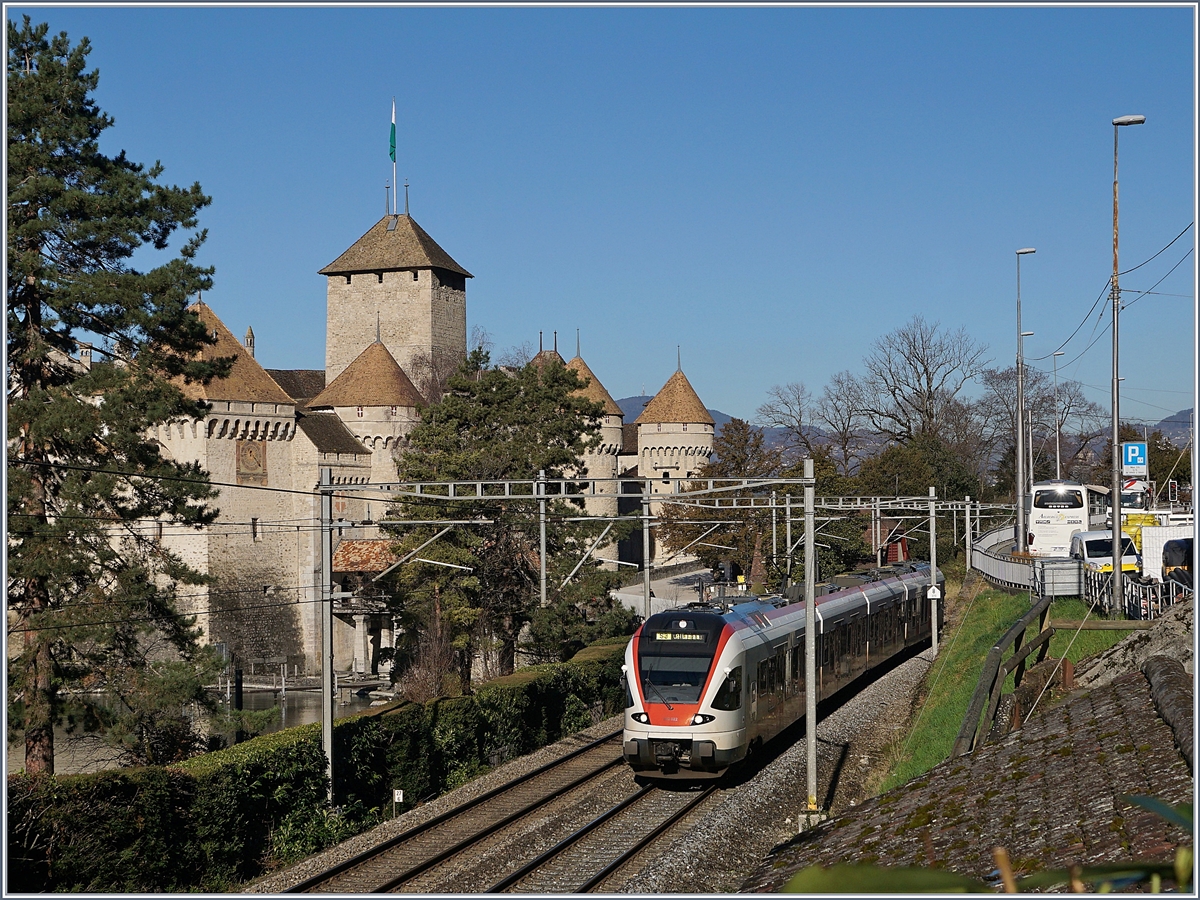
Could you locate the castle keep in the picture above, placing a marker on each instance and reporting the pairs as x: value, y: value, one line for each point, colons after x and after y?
x: 395, y: 329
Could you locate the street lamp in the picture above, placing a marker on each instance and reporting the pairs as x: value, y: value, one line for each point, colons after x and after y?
x: 1022, y: 531
x: 1118, y: 593
x: 1057, y: 419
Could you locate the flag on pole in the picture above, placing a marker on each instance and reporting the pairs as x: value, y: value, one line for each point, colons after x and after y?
x: 392, y: 151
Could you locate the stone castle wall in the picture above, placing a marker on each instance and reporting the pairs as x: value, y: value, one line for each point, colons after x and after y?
x: 421, y: 312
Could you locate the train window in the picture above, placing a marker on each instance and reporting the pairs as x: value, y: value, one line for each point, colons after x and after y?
x: 729, y: 696
x: 628, y: 692
x: 674, y: 679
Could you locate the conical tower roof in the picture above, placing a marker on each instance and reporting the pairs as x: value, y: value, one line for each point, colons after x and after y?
x: 594, y: 390
x: 247, y: 380
x: 677, y: 402
x: 544, y: 357
x: 373, y: 379
x: 404, y: 246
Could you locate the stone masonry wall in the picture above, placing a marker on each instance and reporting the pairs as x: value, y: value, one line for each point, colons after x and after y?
x: 418, y: 317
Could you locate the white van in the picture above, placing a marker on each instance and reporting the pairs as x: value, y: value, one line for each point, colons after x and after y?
x: 1094, y: 549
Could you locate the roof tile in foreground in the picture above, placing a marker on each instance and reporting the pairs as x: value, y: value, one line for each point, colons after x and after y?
x: 1049, y: 793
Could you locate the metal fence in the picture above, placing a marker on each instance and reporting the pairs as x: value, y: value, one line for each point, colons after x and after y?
x: 1141, y: 601
x: 1045, y: 577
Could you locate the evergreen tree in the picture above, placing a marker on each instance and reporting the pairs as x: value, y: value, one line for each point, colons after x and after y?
x: 739, y: 452
x: 91, y: 595
x: 492, y: 425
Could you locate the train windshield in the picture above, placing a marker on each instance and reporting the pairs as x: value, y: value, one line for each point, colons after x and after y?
x: 675, y: 654
x: 674, y: 679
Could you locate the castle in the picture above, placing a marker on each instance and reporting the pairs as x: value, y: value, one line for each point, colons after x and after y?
x: 395, y: 327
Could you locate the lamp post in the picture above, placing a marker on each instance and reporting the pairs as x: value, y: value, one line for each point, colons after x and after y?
x: 1022, y: 531
x: 1118, y: 594
x: 1057, y: 420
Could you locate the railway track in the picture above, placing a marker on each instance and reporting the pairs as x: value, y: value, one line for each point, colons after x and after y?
x: 406, y: 856
x: 588, y: 857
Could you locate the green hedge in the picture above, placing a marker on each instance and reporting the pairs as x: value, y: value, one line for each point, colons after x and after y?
x: 223, y: 818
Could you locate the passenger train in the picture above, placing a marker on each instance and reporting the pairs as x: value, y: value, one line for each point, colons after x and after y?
x: 704, y: 685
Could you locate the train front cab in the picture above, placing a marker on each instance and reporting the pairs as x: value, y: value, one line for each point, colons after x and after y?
x: 685, y: 706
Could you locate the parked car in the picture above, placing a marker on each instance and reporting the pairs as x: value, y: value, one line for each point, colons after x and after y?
x: 1095, y: 550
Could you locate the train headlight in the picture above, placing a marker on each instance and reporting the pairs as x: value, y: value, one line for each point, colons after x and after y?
x: 640, y: 717
x: 702, y: 719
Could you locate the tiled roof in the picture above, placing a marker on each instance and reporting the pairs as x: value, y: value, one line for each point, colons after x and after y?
x: 373, y: 379
x: 543, y: 357
x: 407, y: 246
x: 247, y: 380
x: 629, y: 436
x: 1049, y: 793
x: 301, y: 384
x: 677, y: 402
x: 329, y: 434
x: 594, y: 390
x: 363, y: 556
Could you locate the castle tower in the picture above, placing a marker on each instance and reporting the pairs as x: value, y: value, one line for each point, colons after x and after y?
x: 675, y: 436
x: 378, y: 404
x: 601, y: 460
x: 396, y: 284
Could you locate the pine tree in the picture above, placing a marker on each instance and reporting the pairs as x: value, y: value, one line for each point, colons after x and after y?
x: 492, y: 425
x: 91, y: 593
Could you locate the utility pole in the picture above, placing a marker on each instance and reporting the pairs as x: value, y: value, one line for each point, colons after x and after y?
x: 541, y: 492
x: 810, y: 638
x: 646, y: 548
x: 327, y: 624
x: 933, y: 592
x: 787, y: 499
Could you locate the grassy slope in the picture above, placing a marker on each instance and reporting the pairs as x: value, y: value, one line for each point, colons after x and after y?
x: 977, y: 618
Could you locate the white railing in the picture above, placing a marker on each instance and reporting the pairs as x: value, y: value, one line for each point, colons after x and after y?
x: 1045, y: 577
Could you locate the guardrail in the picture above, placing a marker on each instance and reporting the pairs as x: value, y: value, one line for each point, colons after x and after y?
x: 1141, y: 600
x: 995, y: 672
x: 1045, y: 577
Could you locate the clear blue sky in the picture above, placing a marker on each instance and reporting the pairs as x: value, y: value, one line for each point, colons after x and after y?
x: 771, y: 189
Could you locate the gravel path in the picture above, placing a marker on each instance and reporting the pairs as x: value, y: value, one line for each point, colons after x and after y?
x: 715, y: 848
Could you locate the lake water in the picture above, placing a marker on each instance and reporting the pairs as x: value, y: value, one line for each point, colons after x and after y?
x: 77, y: 753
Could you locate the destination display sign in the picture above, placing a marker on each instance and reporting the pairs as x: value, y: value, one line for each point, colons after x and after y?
x: 680, y: 636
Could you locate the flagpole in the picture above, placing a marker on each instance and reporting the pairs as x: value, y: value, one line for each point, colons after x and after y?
x: 395, y: 194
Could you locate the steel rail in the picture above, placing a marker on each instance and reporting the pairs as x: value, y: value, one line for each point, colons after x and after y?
x: 455, y: 849
x: 408, y: 834
x: 644, y: 842
x: 566, y: 842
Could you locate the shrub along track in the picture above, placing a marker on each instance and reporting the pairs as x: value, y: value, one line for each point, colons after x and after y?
x: 407, y: 855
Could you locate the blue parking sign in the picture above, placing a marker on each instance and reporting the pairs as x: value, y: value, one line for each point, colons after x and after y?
x: 1133, y: 458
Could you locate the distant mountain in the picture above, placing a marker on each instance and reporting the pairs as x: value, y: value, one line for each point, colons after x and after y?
x: 1177, y: 427
x: 632, y: 407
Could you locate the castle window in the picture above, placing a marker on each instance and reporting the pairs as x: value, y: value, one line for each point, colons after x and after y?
x: 660, y: 426
x: 255, y: 531
x: 415, y: 275
x: 685, y: 426
x: 158, y: 529
x: 360, y: 412
x: 348, y: 277
x: 394, y: 410
x: 379, y: 275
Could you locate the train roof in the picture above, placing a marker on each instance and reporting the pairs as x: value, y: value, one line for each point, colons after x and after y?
x: 762, y: 612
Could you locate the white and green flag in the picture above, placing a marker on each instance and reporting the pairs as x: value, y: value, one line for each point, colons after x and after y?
x: 392, y: 151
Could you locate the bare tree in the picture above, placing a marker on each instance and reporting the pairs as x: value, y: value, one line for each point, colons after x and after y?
x: 913, y: 374
x: 839, y: 411
x: 517, y: 357
x: 790, y: 409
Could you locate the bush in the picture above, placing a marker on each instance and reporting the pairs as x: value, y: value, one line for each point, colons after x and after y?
x: 220, y: 819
